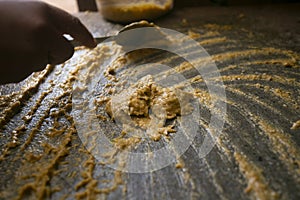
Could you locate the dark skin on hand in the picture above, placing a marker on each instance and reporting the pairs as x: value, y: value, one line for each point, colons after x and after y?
x: 31, y: 36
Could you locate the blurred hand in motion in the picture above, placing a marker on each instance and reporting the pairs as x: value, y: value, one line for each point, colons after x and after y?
x: 31, y: 36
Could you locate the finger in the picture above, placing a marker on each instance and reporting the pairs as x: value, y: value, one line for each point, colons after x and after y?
x: 19, y: 66
x: 26, y: 60
x: 12, y: 72
x: 59, y: 48
x: 68, y: 24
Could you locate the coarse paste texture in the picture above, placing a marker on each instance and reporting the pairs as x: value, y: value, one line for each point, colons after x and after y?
x: 43, y: 157
x: 150, y: 106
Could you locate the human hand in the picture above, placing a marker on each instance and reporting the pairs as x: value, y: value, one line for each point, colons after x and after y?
x: 31, y: 36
